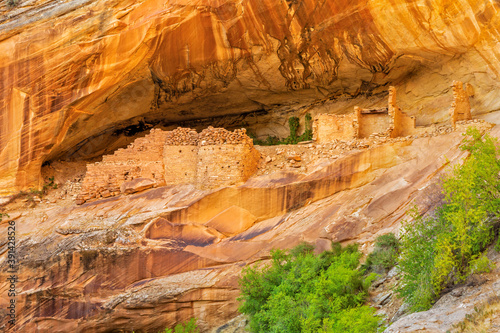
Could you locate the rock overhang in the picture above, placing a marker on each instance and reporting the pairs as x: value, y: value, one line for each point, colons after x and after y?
x: 67, y: 92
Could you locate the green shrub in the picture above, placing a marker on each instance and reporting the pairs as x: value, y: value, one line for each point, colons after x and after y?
x: 384, y: 255
x: 188, y: 327
x: 293, y: 123
x: 31, y: 193
x: 481, y: 264
x: 269, y: 141
x: 308, y: 134
x: 293, y: 138
x: 302, y: 292
x: 416, y: 260
x: 439, y: 251
x: 49, y: 184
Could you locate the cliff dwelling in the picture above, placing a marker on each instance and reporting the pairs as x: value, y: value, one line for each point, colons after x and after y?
x: 213, y: 158
x: 216, y: 157
x: 388, y: 121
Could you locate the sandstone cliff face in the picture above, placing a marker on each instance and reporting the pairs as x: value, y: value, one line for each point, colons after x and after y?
x: 149, y: 260
x: 78, y: 78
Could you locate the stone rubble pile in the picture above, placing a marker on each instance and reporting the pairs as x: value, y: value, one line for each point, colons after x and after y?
x: 217, y: 136
x: 288, y: 156
x: 480, y: 124
x: 182, y: 137
x: 72, y: 188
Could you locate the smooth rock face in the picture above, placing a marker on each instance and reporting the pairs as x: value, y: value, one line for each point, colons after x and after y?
x: 81, y: 78
x: 137, y: 185
x: 150, y: 260
x: 232, y: 221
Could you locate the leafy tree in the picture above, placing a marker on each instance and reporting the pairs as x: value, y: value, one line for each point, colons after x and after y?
x: 416, y: 262
x: 444, y: 249
x: 302, y: 292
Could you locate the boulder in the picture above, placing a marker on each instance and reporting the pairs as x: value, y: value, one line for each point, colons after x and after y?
x: 232, y: 221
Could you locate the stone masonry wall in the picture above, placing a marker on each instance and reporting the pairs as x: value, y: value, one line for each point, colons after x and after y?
x: 225, y: 158
x: 401, y: 123
x: 213, y: 158
x: 181, y: 164
x: 460, y: 108
x: 251, y: 162
x: 142, y: 158
x: 327, y: 127
x: 372, y: 123
x: 220, y: 165
x: 180, y: 156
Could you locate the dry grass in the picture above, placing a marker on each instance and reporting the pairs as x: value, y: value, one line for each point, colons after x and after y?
x: 486, y: 318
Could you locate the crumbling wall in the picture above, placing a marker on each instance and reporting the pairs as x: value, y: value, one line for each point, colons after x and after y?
x: 141, y: 159
x: 372, y: 121
x: 401, y: 123
x: 213, y: 158
x: 329, y: 127
x: 387, y: 121
x: 225, y: 158
x: 180, y: 156
x: 460, y: 107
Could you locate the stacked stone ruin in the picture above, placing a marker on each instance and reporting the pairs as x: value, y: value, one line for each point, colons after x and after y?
x: 327, y: 127
x: 225, y: 157
x: 217, y: 157
x: 387, y: 121
x: 390, y: 121
x: 400, y: 124
x: 213, y: 158
x: 141, y: 159
x: 460, y: 108
x: 376, y: 121
x: 181, y: 137
x: 180, y: 156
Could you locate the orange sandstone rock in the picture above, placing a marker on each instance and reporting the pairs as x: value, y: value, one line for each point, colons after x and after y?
x: 77, y: 77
